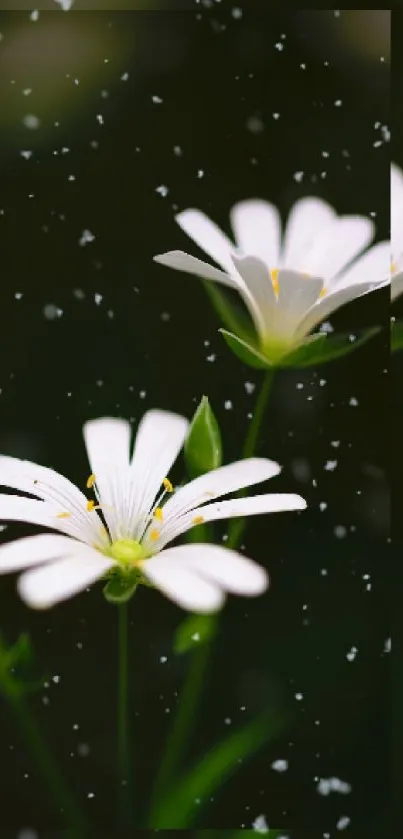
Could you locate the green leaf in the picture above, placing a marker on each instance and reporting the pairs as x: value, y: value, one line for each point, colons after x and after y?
x: 179, y: 807
x: 245, y: 352
x: 194, y: 631
x: 120, y: 588
x: 252, y: 834
x: 396, y: 335
x: 326, y: 348
x: 203, y: 446
x: 232, y: 317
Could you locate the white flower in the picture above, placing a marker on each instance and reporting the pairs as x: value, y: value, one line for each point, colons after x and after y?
x: 396, y: 229
x: 142, y: 514
x: 290, y: 284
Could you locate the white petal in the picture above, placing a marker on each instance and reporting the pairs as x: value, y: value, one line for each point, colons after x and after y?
x: 372, y: 267
x: 396, y: 207
x: 259, y: 293
x: 219, y: 482
x: 306, y: 222
x: 396, y: 286
x: 250, y: 506
x: 107, y: 442
x: 44, y: 514
x: 184, y: 262
x: 33, y: 550
x: 217, y: 565
x: 159, y: 439
x: 329, y: 304
x: 183, y: 585
x: 296, y: 294
x: 208, y: 236
x: 341, y: 242
x: 44, y: 587
x: 257, y: 228
x: 52, y: 487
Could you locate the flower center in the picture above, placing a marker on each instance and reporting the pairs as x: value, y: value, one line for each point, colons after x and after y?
x: 127, y: 552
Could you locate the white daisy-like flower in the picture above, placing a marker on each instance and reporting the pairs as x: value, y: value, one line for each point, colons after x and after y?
x: 140, y: 514
x: 396, y: 230
x: 291, y: 282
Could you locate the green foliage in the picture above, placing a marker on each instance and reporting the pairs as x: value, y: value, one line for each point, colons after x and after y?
x: 193, y: 632
x: 203, y: 446
x: 396, y: 335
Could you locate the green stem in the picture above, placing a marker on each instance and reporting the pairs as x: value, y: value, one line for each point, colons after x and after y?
x: 178, y: 737
x: 123, y: 722
x: 53, y: 780
x: 237, y: 526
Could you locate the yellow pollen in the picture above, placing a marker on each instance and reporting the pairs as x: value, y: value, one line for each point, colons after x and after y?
x: 393, y: 267
x: 91, y: 506
x: 158, y: 514
x: 323, y: 293
x: 63, y: 515
x: 154, y: 534
x: 91, y: 481
x: 167, y: 485
x: 274, y: 279
x: 198, y: 520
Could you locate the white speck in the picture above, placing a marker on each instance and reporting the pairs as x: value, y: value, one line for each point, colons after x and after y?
x: 200, y: 173
x: 27, y: 833
x: 260, y: 824
x: 299, y: 697
x: 322, y: 506
x: 124, y: 77
x: 249, y: 387
x: 52, y: 312
x: 91, y: 795
x: 31, y: 121
x: 338, y: 103
x: 178, y: 151
x: 56, y: 679
x: 276, y: 115
x: 211, y: 357
x: 236, y: 13
x: 76, y: 726
x: 228, y: 720
x: 388, y: 645
x: 279, y: 46
x: 86, y: 237
x: 100, y: 119
x: 163, y: 659
x: 298, y: 177
x: 280, y: 765
x: 83, y: 749
x: 27, y: 91
x: 98, y: 298
x: 34, y: 16
x: 330, y: 465
x: 71, y: 178
x: 255, y: 124
x: 196, y: 636
x: 350, y: 656
x: 340, y: 531
x: 343, y: 823
x: 65, y: 5
x: 162, y: 190
x: 322, y: 382
x: 228, y: 405
x: 27, y: 153
x: 353, y: 402
x: 157, y: 100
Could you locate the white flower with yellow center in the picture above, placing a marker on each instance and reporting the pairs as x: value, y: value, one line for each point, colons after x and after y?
x: 396, y: 230
x: 289, y: 283
x: 140, y: 514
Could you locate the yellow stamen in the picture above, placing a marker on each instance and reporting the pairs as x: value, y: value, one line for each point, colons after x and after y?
x: 91, y: 481
x: 154, y: 534
x: 63, y: 515
x: 393, y: 267
x: 274, y: 279
x: 167, y: 485
x: 91, y: 506
x: 323, y: 293
x: 158, y: 514
x: 198, y: 520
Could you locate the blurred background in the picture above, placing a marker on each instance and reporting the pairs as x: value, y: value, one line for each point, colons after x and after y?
x: 112, y: 120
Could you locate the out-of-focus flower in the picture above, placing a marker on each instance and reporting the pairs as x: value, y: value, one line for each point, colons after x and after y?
x: 396, y: 230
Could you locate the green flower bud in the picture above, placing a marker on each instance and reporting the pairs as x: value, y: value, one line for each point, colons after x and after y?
x: 203, y: 448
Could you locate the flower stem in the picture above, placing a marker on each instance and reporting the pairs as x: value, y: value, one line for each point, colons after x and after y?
x: 53, y: 780
x: 125, y: 801
x: 237, y: 526
x: 190, y: 697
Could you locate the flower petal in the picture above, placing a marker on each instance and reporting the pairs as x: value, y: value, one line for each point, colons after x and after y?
x: 257, y: 228
x: 337, y: 244
x: 296, y: 294
x: 259, y: 293
x: 33, y: 550
x: 50, y: 486
x: 159, y: 439
x: 183, y: 585
x: 208, y: 236
x: 397, y: 286
x: 306, y: 221
x: 44, y: 514
x: 396, y: 207
x: 182, y: 261
x: 219, y: 482
x: 372, y: 267
x: 44, y: 587
x: 325, y: 307
x: 249, y: 506
x: 220, y: 566
x: 107, y: 441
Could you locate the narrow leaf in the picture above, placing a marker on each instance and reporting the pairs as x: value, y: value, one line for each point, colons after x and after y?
x: 245, y: 352
x: 193, y: 632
